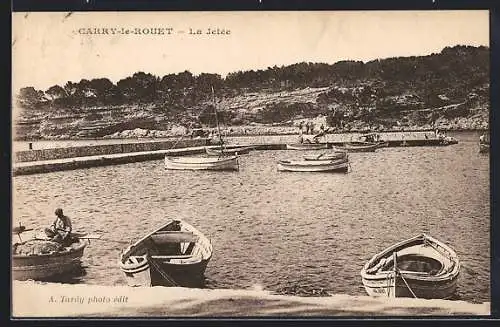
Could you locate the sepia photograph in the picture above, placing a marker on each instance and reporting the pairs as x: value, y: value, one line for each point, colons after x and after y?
x: 250, y: 164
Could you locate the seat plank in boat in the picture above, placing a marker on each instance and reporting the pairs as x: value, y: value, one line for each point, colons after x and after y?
x: 173, y: 237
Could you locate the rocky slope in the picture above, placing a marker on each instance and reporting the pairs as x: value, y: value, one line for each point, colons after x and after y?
x: 449, y: 91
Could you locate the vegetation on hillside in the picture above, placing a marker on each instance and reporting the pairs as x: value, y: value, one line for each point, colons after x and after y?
x: 404, y: 90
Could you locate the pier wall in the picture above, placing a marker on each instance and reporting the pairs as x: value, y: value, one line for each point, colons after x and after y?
x: 104, y: 149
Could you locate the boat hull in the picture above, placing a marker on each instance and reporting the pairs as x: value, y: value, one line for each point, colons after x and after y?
x: 228, y: 151
x: 334, y: 156
x: 192, y: 275
x: 421, y: 251
x: 164, y: 270
x: 46, y: 266
x: 181, y: 163
x: 314, y: 166
x: 307, y: 146
x: 421, y: 289
x: 353, y: 147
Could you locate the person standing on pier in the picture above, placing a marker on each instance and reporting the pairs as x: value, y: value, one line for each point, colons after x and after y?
x: 60, y: 230
x: 301, y: 137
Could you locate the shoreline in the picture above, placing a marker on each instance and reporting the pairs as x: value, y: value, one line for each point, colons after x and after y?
x: 37, y: 299
x: 260, y: 131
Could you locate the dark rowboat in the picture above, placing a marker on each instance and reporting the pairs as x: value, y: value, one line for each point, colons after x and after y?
x: 175, y: 254
x: 425, y: 268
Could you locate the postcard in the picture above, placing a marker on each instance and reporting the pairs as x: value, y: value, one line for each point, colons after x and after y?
x: 250, y: 164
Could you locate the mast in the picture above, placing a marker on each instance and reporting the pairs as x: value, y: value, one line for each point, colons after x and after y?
x: 217, y: 121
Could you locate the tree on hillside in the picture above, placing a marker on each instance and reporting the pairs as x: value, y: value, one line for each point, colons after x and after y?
x: 205, y: 82
x: 103, y: 88
x: 55, y: 92
x: 140, y: 87
x: 29, y: 97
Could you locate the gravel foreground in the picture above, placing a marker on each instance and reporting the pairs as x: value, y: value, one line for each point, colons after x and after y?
x: 47, y: 300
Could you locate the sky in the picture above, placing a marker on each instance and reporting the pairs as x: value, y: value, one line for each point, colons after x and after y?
x: 53, y: 48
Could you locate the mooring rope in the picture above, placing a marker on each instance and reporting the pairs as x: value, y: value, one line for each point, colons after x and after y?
x: 409, y: 288
x: 161, y: 271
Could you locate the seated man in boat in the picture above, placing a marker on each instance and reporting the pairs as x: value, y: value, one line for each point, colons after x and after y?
x: 60, y: 230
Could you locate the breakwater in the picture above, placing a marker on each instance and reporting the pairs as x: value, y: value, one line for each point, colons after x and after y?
x: 103, y: 149
x: 47, y: 166
x: 76, y: 157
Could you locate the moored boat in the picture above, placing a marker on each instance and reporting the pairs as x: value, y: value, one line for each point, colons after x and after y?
x: 175, y: 254
x: 358, y: 147
x: 307, y: 146
x: 326, y: 156
x: 340, y: 165
x: 202, y: 163
x: 420, y: 267
x: 42, y: 259
x: 217, y: 151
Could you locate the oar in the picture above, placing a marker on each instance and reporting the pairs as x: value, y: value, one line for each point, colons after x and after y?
x: 20, y: 229
x: 322, y: 154
x: 95, y: 236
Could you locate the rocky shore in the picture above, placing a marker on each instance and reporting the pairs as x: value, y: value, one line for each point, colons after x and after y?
x: 35, y: 299
x: 459, y: 124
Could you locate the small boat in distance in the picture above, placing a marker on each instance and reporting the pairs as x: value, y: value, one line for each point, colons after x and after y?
x: 326, y: 156
x: 218, y: 151
x: 175, y: 254
x: 202, y: 163
x: 340, y: 165
x: 307, y: 146
x: 222, y: 162
x: 420, y: 267
x: 357, y: 147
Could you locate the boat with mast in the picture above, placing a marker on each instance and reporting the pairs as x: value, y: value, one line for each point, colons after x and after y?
x: 223, y: 161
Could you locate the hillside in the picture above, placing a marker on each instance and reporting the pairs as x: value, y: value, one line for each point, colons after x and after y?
x: 447, y: 90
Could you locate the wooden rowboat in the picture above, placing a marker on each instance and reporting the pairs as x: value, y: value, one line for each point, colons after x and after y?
x: 307, y: 146
x: 425, y: 268
x: 217, y: 151
x: 202, y: 163
x: 175, y: 254
x: 357, y: 147
x: 49, y: 265
x: 326, y: 156
x: 314, y: 165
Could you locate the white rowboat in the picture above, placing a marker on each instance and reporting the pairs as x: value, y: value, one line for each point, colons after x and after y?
x: 202, y: 163
x: 425, y: 268
x: 314, y: 165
